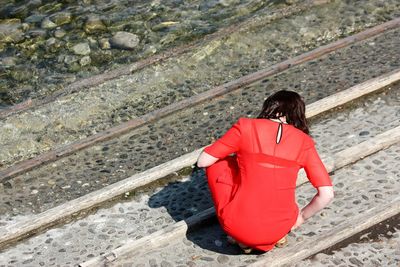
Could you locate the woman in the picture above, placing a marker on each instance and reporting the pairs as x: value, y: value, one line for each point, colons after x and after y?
x: 254, y: 190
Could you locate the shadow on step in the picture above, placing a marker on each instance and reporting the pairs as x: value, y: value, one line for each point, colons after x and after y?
x: 186, y: 198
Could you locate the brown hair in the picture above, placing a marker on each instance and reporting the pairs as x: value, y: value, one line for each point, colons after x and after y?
x: 286, y: 103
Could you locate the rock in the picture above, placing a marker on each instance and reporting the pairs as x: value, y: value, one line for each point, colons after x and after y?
x: 48, y: 24
x: 124, y: 40
x: 164, y: 25
x: 70, y: 59
x: 61, y: 18
x: 23, y: 74
x: 60, y: 33
x: 94, y: 24
x: 11, y: 31
x: 169, y: 38
x: 81, y: 49
x: 104, y: 43
x: 35, y: 18
x: 19, y: 11
x: 166, y: 264
x: 37, y: 33
x: 85, y: 61
x: 222, y: 259
x: 51, y: 41
x: 9, y: 61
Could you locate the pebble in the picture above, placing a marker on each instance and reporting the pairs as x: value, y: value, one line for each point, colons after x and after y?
x: 81, y: 49
x: 85, y: 61
x: 124, y: 40
x: 356, y: 261
x: 11, y: 31
x: 8, y: 61
x: 165, y: 264
x: 48, y: 24
x: 104, y: 44
x: 204, y: 258
x: 61, y: 18
x: 60, y: 33
x: 94, y: 24
x: 222, y: 259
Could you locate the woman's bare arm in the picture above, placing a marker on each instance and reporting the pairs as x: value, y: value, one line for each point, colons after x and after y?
x: 321, y: 200
x: 205, y: 160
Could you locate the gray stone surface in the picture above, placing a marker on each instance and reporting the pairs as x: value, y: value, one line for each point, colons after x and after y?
x: 373, y: 181
x: 114, y: 160
x: 383, y: 252
x: 89, y: 111
x: 358, y: 188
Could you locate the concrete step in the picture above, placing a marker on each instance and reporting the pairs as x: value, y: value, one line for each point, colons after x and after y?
x: 367, y: 188
x: 378, y: 246
x: 155, y: 210
x: 79, y: 115
x: 114, y: 160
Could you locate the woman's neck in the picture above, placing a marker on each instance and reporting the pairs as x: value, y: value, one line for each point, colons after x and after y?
x: 280, y: 119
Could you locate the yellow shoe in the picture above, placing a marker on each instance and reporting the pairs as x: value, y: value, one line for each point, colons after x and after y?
x: 246, y: 249
x: 282, y: 242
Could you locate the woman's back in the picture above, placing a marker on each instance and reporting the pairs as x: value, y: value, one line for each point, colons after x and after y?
x: 254, y: 192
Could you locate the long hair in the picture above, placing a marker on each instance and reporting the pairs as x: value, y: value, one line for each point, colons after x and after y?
x: 286, y: 103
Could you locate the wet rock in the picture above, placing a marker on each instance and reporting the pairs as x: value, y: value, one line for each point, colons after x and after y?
x: 51, y: 41
x: 164, y: 25
x: 48, y: 24
x: 124, y: 40
x: 8, y: 61
x: 61, y: 18
x: 70, y: 59
x: 35, y: 18
x: 85, y: 61
x: 104, y: 43
x: 19, y: 11
x: 81, y: 49
x: 22, y: 74
x: 60, y: 33
x: 11, y: 31
x: 94, y: 24
x: 37, y: 33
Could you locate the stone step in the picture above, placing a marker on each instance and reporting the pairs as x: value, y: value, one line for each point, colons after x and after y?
x: 155, y: 210
x: 365, y: 194
x: 178, y: 230
x: 88, y: 112
x: 113, y: 161
x: 378, y: 246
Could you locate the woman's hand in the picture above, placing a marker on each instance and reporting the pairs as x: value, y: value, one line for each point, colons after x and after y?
x: 300, y: 220
x: 320, y: 200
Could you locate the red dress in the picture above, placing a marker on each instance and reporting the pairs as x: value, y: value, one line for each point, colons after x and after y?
x: 254, y: 191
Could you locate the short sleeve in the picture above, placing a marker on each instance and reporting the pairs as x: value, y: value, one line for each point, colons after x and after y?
x: 313, y: 165
x: 227, y: 144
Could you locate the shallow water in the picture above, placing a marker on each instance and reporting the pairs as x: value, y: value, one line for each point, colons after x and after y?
x: 257, y: 45
x: 38, y: 38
